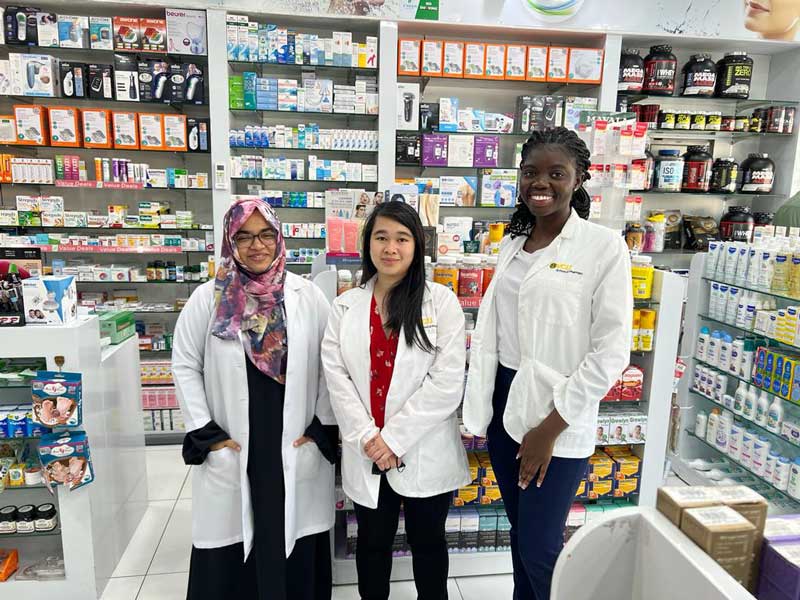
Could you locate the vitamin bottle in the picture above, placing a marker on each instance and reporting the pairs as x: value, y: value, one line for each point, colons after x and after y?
x: 446, y: 273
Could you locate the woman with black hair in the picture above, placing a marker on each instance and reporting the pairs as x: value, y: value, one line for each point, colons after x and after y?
x: 553, y: 335
x: 394, y: 355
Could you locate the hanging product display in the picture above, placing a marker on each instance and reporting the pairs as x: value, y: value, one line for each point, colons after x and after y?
x: 57, y: 399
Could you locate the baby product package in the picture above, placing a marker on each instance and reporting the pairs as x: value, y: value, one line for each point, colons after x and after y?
x: 66, y: 459
x: 57, y: 399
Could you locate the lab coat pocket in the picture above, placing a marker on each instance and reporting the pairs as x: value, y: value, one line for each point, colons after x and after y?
x: 308, y: 461
x: 557, y: 301
x: 222, y: 469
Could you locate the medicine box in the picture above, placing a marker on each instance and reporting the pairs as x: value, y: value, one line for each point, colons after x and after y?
x: 96, y: 128
x: 432, y: 58
x: 64, y: 126
x: 495, y: 65
x: 515, y: 62
x: 47, y: 30
x: 125, y: 128
x: 470, y: 526
x: 585, y: 65
x: 474, y: 60
x: 118, y: 326
x: 536, y: 69
x: 453, y: 62
x: 408, y: 57
x: 487, y: 529
x: 151, y: 131
x: 50, y: 300
x: 557, y: 64
x: 29, y: 121
x: 601, y: 466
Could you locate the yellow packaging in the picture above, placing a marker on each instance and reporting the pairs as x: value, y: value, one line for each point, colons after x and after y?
x: 628, y: 466
x: 489, y: 478
x: 491, y: 495
x: 647, y: 330
x: 642, y: 275
x: 794, y: 275
x: 637, y: 319
x: 601, y: 489
x: 16, y: 475
x: 600, y: 467
x: 626, y: 487
x: 466, y: 495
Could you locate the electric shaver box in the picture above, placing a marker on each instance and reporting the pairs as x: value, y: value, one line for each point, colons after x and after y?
x: 73, y: 79
x: 101, y: 82
x: 154, y: 84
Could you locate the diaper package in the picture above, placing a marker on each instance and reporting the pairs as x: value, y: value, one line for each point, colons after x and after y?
x: 66, y: 459
x: 57, y: 399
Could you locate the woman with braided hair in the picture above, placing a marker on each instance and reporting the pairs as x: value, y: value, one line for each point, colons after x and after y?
x: 553, y: 335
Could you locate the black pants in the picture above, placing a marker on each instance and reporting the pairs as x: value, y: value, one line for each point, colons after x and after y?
x: 425, y: 520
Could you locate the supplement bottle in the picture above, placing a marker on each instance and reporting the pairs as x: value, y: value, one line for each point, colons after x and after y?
x: 25, y: 519
x: 780, y: 478
x: 642, y: 275
x: 793, y: 487
x: 698, y: 121
x: 646, y: 166
x: 666, y: 119
x: 714, y: 121
x: 45, y: 517
x: 758, y: 174
x: 734, y: 73
x: 660, y: 67
x: 8, y: 519
x: 699, y: 76
x: 683, y: 120
x: 446, y: 273
x: 631, y: 72
x: 700, y: 423
x: 669, y: 171
x: 697, y: 163
x: 470, y: 278
x: 737, y: 225
x: 724, y: 173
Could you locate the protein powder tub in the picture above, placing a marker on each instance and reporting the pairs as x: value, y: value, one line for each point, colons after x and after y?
x: 25, y: 519
x: 742, y: 124
x: 631, y: 72
x: 723, y: 175
x: 699, y: 121
x: 669, y: 171
x: 714, y: 121
x: 758, y: 174
x: 737, y: 225
x: 728, y: 123
x: 763, y: 218
x: 788, y: 123
x: 683, y: 120
x: 46, y: 519
x: 699, y: 76
x: 8, y: 519
x: 666, y: 119
x: 776, y: 116
x: 758, y: 122
x: 697, y: 164
x: 734, y: 73
x: 660, y: 67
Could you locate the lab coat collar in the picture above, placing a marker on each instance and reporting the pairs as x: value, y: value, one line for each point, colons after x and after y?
x: 360, y: 293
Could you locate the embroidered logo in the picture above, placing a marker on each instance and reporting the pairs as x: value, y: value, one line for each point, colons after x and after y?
x: 564, y: 268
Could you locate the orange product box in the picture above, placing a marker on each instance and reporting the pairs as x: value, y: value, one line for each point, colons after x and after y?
x: 515, y: 62
x: 557, y: 63
x: 536, y: 69
x: 585, y: 65
x: 8, y: 129
x: 5, y: 168
x: 127, y: 34
x: 96, y: 127
x: 453, y: 59
x: 494, y: 66
x: 65, y: 127
x: 151, y: 131
x: 30, y: 122
x: 175, y: 133
x: 125, y: 128
x: 408, y: 56
x: 601, y: 489
x: 432, y: 58
x: 474, y: 60
x: 9, y: 562
x: 153, y: 34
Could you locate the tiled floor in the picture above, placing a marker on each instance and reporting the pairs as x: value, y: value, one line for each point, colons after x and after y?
x: 155, y: 566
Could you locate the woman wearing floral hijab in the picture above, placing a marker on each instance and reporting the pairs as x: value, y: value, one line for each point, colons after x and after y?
x: 246, y: 365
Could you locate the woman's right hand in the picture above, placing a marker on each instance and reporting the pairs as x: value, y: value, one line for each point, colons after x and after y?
x: 226, y: 444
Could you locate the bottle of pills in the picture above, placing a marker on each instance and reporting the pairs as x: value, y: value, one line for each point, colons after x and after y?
x: 446, y: 273
x: 470, y: 278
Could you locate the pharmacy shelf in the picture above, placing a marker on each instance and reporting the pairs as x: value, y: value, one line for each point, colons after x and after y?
x: 162, y: 438
x: 312, y: 115
x: 679, y: 134
x: 721, y: 372
x: 778, y: 294
x: 449, y: 168
x: 738, y: 463
x: 461, y: 565
x: 20, y: 536
x: 240, y: 66
x: 303, y: 150
x: 110, y: 282
x: 737, y: 104
x: 38, y: 486
x: 748, y: 331
x: 104, y: 185
x: 61, y: 249
x: 166, y: 384
x: 71, y: 150
x: 709, y: 194
x: 518, y: 134
x: 569, y: 89
x: 107, y: 54
x: 157, y: 230
x: 325, y: 181
x: 92, y: 102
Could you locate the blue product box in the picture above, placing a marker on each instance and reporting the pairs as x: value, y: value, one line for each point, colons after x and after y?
x: 4, y: 422
x: 17, y: 422
x: 66, y: 459
x: 249, y: 79
x: 50, y: 300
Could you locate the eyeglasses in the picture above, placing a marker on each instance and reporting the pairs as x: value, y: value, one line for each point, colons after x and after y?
x: 245, y: 240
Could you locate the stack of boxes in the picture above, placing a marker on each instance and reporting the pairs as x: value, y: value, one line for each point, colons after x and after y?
x: 780, y: 566
x: 483, y: 490
x: 612, y: 473
x: 777, y: 372
x: 621, y: 425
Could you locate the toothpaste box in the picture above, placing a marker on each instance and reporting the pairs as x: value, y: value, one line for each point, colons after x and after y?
x: 66, y: 459
x: 57, y: 399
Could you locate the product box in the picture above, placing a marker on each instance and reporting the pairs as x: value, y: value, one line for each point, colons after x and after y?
x: 585, y: 65
x: 126, y: 78
x: 64, y: 126
x: 624, y: 488
x: 30, y: 123
x: 536, y: 69
x: 101, y: 36
x: 573, y: 107
x: 487, y: 529
x: 125, y: 127
x: 175, y: 132
x: 495, y: 65
x: 408, y: 57
x: 474, y: 60
x: 672, y: 501
x: 453, y: 59
x: 557, y: 64
x: 66, y: 459
x: 151, y: 131
x: 458, y: 191
x: 486, y: 151
x: 101, y: 82
x: 50, y: 300
x: 73, y: 31
x: 432, y: 58
x: 448, y: 115
x: 434, y: 150
x: 467, y: 496
x: 96, y: 128
x: 601, y: 467
x: 600, y: 489
x: 118, y: 326
x: 37, y: 73
x: 27, y: 261
x: 780, y: 577
x: 198, y: 134
x: 47, y: 30
x: 499, y: 187
x: 515, y: 62
x: 582, y: 493
x: 452, y: 530
x: 470, y: 528
x: 408, y: 95
x: 73, y: 79
x: 127, y: 34
x: 503, y: 532
x: 429, y: 116
x: 192, y: 89
x: 8, y: 130
x: 186, y: 31
x: 57, y: 399
x: 153, y: 81
x: 153, y: 34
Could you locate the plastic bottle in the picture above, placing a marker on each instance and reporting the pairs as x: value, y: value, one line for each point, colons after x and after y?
x: 446, y: 273
x: 794, y: 274
x: 762, y: 407
x: 766, y: 268
x: 736, y: 356
x: 702, y: 344
x: 470, y: 278
x: 746, y: 363
x: 647, y: 330
x: 750, y: 403
x: 748, y: 440
x: 780, y: 478
x: 775, y: 415
x: 713, y: 300
x: 711, y: 426
x: 741, y: 310
x: 731, y: 305
x: 700, y: 424
x: 739, y: 398
x: 720, y: 385
x: 725, y: 348
x: 728, y: 401
x: 735, y: 440
x: 769, y: 466
x: 731, y: 261
x: 712, y: 257
x: 635, y: 330
x: 781, y: 272
x: 742, y: 264
x: 723, y: 431
x: 712, y: 354
x: 698, y: 371
x: 761, y: 448
x: 793, y: 487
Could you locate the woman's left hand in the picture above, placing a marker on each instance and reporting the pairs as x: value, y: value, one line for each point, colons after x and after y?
x: 302, y: 440
x: 534, y: 454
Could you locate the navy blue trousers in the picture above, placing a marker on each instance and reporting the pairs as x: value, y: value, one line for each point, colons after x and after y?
x: 537, y: 515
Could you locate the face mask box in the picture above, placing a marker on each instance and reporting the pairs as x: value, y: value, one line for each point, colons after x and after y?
x: 57, y: 399
x: 73, y: 31
x: 66, y: 459
x: 127, y: 34
x: 47, y: 30
x: 50, y: 300
x: 100, y: 33
x: 186, y: 31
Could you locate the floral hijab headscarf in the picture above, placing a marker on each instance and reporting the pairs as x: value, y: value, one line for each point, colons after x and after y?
x: 249, y: 302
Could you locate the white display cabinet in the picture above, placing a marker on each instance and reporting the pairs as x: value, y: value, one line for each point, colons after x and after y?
x: 96, y: 522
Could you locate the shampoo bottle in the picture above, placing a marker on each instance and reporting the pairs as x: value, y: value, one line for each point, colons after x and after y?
x: 762, y: 406
x: 739, y: 398
x: 775, y: 415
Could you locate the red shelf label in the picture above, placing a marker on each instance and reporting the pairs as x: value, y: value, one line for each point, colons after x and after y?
x: 110, y: 185
x: 470, y: 302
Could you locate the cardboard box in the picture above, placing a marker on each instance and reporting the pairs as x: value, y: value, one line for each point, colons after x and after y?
x: 453, y: 62
x: 601, y: 466
x: 673, y: 501
x: 37, y: 73
x: 96, y: 128
x: 175, y: 133
x: 64, y: 126
x: 536, y: 69
x: 495, y: 65
x: 515, y: 62
x: 408, y: 95
x: 126, y: 78
x: 408, y: 56
x: 127, y: 34
x: 474, y: 60
x: 125, y: 127
x: 30, y: 123
x: 585, y: 65
x: 8, y: 129
x: 186, y: 31
x: 101, y: 33
x: 73, y: 31
x: 153, y: 35
x: 47, y: 30
x: 101, y: 82
x: 151, y: 131
x: 50, y: 300
x: 432, y: 58
x: 558, y: 64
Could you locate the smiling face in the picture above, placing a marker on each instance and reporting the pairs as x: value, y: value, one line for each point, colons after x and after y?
x: 391, y: 248
x: 772, y: 19
x: 548, y: 178
x: 254, y: 253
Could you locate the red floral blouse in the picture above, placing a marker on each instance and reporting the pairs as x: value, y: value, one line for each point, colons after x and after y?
x: 383, y: 351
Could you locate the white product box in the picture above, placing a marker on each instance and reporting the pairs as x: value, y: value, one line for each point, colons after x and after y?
x: 47, y: 30
x: 408, y: 106
x: 408, y: 57
x: 38, y: 74
x: 101, y: 35
x: 448, y: 115
x: 585, y: 65
x: 151, y: 129
x: 73, y: 31
x: 432, y: 57
x: 8, y: 218
x: 453, y: 59
x: 5, y: 77
x: 186, y: 31
x: 8, y: 130
x: 460, y: 150
x: 537, y: 63
x: 50, y: 300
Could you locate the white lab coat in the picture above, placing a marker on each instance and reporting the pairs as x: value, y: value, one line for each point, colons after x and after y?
x: 211, y: 383
x: 420, y: 424
x: 575, y: 314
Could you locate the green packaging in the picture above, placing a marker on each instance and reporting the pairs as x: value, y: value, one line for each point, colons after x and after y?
x: 236, y: 92
x: 117, y: 325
